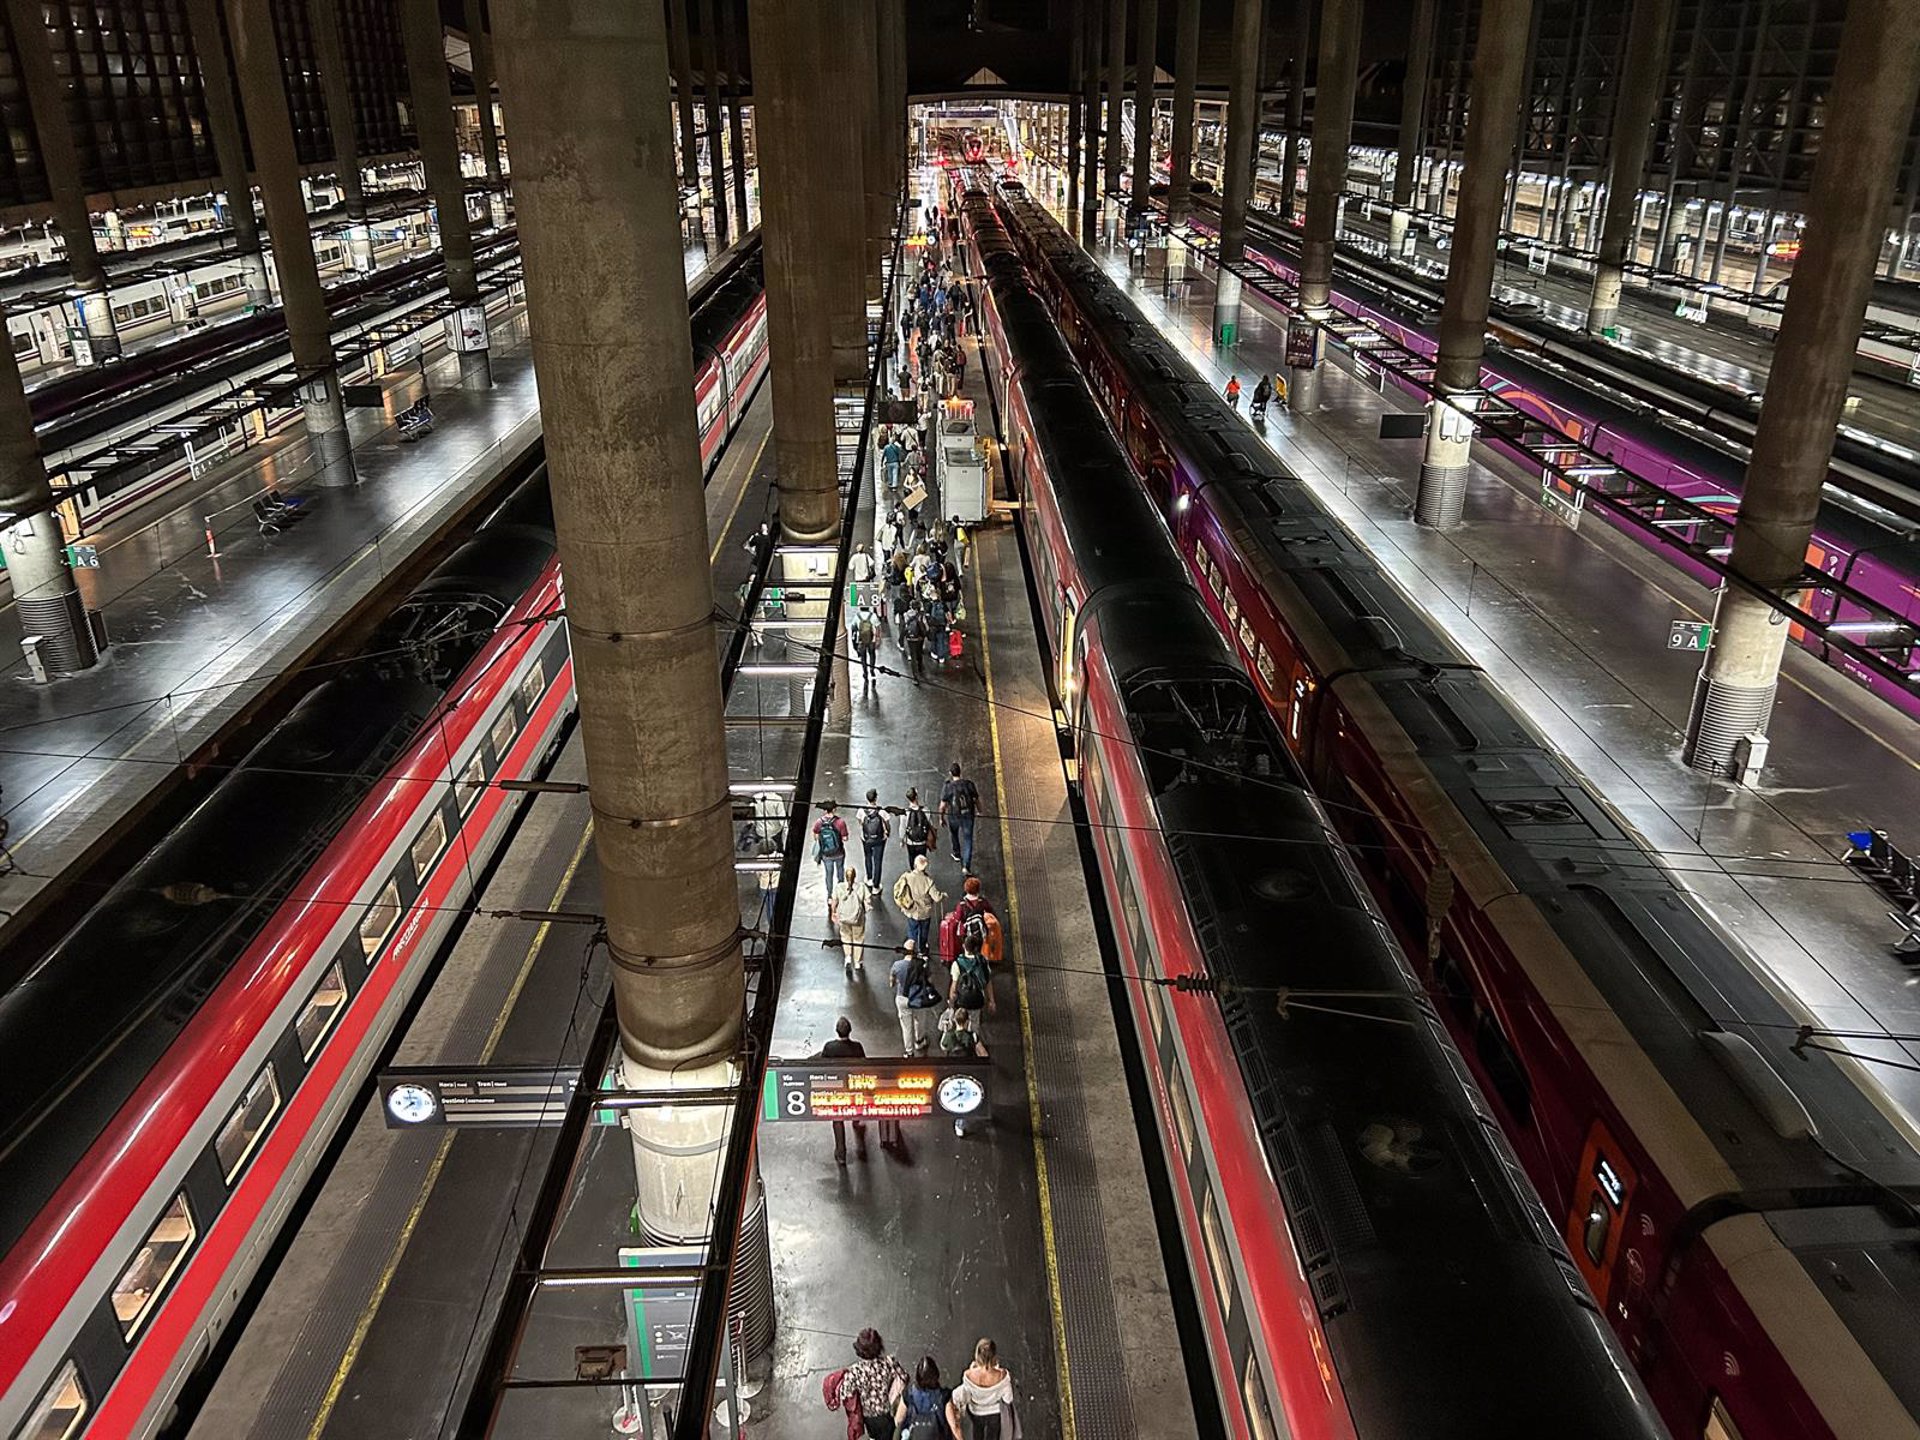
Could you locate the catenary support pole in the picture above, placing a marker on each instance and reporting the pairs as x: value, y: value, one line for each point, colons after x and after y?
x: 716, y: 160
x: 1116, y: 101
x: 736, y: 116
x: 223, y: 120
x: 1499, y: 64
x: 44, y: 595
x: 1333, y: 96
x: 606, y: 292
x: 1186, y: 69
x: 1096, y: 125
x: 480, y: 52
x: 1643, y: 78
x: 324, y: 15
x: 1236, y: 165
x: 1869, y: 109
x: 263, y: 96
x: 424, y: 39
x: 1145, y: 59
x: 1076, y: 109
x: 680, y: 47
x: 60, y: 158
x: 1413, y: 104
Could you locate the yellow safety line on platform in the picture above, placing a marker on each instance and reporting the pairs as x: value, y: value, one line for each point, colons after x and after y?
x: 713, y: 555
x: 365, y: 1323
x: 1045, y: 1185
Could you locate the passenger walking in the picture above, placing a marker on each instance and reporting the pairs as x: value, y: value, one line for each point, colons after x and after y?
x: 865, y: 643
x: 892, y: 456
x: 1262, y: 393
x: 907, y: 979
x: 1233, y: 392
x: 926, y: 1411
x: 937, y: 621
x: 875, y: 830
x: 919, y: 899
x: 985, y: 1396
x: 844, y: 1047
x: 847, y: 911
x: 959, y: 802
x: 913, y: 630
x: 878, y: 1380
x: 916, y: 828
x: 960, y: 1039
x: 830, y: 850
x: 970, y: 986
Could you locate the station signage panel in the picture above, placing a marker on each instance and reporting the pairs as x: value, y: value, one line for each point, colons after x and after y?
x: 1689, y: 635
x: 881, y: 1088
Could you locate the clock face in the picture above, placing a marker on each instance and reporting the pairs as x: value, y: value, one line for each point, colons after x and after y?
x: 961, y: 1094
x: 411, y: 1104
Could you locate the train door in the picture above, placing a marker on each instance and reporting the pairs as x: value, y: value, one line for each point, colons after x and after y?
x: 1064, y: 684
x: 1601, y: 1195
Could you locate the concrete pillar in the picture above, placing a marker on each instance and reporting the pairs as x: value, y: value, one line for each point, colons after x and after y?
x: 1499, y: 65
x: 47, y: 100
x: 424, y: 40
x: 838, y: 137
x: 792, y: 53
x: 736, y: 122
x: 1326, y: 175
x: 607, y: 294
x: 1096, y: 52
x: 256, y: 56
x: 681, y: 49
x: 1116, y: 98
x: 324, y: 16
x: 43, y: 590
x: 1076, y: 111
x: 893, y: 103
x: 1869, y: 108
x: 716, y: 162
x: 865, y: 93
x: 1296, y: 109
x: 1413, y: 104
x: 223, y: 121
x: 1236, y: 164
x: 1145, y: 57
x: 480, y: 49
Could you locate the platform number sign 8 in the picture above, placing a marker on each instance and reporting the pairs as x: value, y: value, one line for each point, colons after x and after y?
x: 795, y: 1102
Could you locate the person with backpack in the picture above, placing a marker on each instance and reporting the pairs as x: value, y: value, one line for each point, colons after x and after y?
x: 919, y: 899
x: 958, y: 1037
x: 959, y: 803
x: 974, y: 919
x: 913, y: 632
x: 865, y: 641
x: 913, y: 996
x: 971, y: 987
x: 830, y: 850
x: 916, y: 828
x: 847, y: 911
x: 938, y: 619
x: 926, y: 1410
x: 875, y: 830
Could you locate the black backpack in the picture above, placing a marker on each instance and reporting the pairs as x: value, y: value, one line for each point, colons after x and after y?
x: 966, y: 797
x: 919, y: 831
x: 970, y: 991
x: 873, y: 825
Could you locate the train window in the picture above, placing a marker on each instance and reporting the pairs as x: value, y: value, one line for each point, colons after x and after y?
x: 1218, y: 580
x: 473, y: 781
x: 1216, y: 1243
x: 248, y: 1122
x: 1246, y: 634
x: 62, y: 1408
x: 1593, y: 1230
x: 1720, y: 1424
x: 1200, y: 554
x: 140, y: 1285
x: 378, y: 921
x: 323, y: 1007
x: 504, y: 729
x: 1233, y: 609
x: 23, y: 343
x: 1253, y: 1389
x: 1263, y: 662
x: 531, y: 687
x: 1156, y: 1011
x: 1182, y: 1115
x: 428, y: 845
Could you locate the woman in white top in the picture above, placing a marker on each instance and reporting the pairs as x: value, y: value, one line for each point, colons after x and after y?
x: 985, y: 1397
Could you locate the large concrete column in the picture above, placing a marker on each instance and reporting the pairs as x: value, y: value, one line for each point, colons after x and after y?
x: 1643, y: 77
x: 1096, y: 126
x: 736, y: 122
x: 873, y: 150
x: 595, y: 189
x: 256, y: 55
x: 43, y: 590
x: 1302, y: 45
x: 1116, y: 97
x: 681, y: 49
x: 1869, y: 108
x: 1236, y: 164
x: 425, y: 44
x: 480, y: 51
x: 893, y: 39
x: 47, y: 99
x: 1499, y: 64
x: 1145, y: 46
x: 324, y: 15
x: 842, y: 182
x: 1326, y: 176
x: 223, y: 120
x: 792, y: 53
x: 716, y: 161
x: 1186, y: 65
x: 1413, y: 104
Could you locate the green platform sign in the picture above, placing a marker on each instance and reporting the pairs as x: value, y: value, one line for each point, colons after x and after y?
x: 1689, y: 635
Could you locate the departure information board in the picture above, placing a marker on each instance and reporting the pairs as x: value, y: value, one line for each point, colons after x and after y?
x: 881, y: 1088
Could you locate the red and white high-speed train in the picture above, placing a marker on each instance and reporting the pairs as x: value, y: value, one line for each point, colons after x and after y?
x: 1748, y: 1218
x: 1367, y: 1258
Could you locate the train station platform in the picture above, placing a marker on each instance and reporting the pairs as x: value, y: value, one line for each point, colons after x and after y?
x: 1574, y: 624
x: 197, y: 637
x: 1034, y: 1228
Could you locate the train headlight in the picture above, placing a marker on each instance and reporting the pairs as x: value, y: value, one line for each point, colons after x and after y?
x: 1183, y: 502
